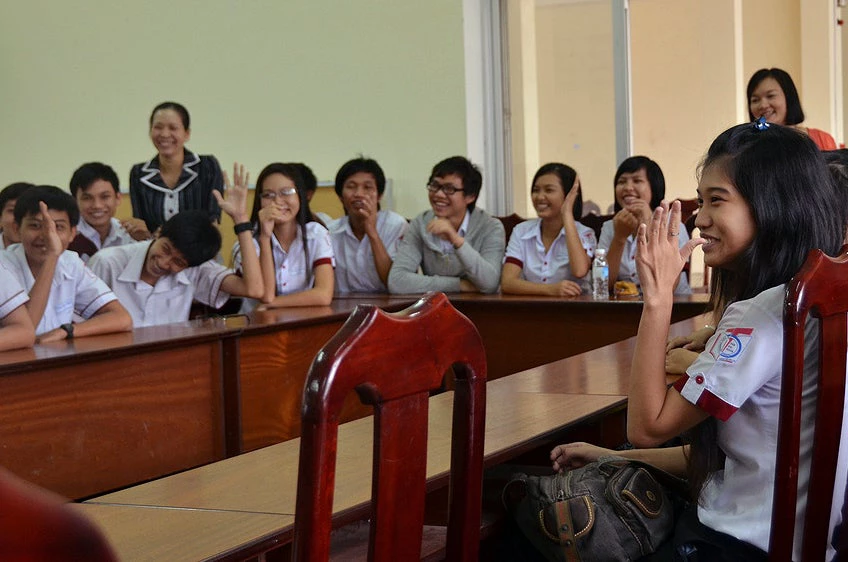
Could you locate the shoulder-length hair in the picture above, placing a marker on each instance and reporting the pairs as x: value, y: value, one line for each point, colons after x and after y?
x: 794, y: 113
x: 566, y: 175
x: 783, y: 177
x: 653, y: 172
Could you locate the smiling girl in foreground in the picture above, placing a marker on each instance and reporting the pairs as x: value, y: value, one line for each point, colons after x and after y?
x: 550, y: 255
x: 295, y: 253
x: 767, y: 200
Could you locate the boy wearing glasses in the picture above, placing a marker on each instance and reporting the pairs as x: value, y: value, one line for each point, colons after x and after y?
x: 458, y: 247
x: 157, y: 280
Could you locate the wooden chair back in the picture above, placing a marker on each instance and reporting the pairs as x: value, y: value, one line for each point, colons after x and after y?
x: 393, y: 361
x: 820, y: 289
x: 37, y: 526
x: 509, y: 223
x: 595, y: 222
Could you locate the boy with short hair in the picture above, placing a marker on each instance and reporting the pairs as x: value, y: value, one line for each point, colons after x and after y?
x: 157, y: 280
x: 15, y: 325
x: 95, y: 187
x: 58, y: 282
x: 457, y: 246
x: 8, y: 198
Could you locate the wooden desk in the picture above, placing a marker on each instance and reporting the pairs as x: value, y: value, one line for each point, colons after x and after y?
x: 265, y: 481
x: 100, y: 413
x: 523, y: 332
x: 605, y: 370
x: 89, y: 415
x: 150, y: 534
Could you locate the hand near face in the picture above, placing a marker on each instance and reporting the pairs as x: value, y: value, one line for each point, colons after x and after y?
x: 624, y: 224
x: 268, y: 216
x: 641, y: 210
x: 234, y: 201
x: 442, y: 228
x: 570, y: 199
x: 365, y: 208
x: 136, y: 228
x: 54, y: 242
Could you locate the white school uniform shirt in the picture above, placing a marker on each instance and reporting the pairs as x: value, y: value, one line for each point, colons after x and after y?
x: 627, y: 269
x: 355, y: 269
x: 75, y: 289
x: 290, y: 271
x: 12, y: 293
x: 117, y: 235
x: 170, y: 299
x: 737, y: 380
x: 527, y: 251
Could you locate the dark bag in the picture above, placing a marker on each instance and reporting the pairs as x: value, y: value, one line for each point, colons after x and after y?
x: 613, y: 509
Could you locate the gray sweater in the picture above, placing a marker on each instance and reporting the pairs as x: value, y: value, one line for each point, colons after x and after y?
x: 479, y: 259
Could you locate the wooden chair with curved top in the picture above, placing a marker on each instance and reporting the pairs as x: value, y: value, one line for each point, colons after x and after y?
x: 393, y: 361
x: 37, y: 526
x: 819, y: 289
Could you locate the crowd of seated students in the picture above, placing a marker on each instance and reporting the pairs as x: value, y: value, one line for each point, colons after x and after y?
x: 760, y: 185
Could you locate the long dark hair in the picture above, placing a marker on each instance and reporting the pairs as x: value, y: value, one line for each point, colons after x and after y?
x: 794, y: 113
x: 304, y: 215
x: 795, y: 205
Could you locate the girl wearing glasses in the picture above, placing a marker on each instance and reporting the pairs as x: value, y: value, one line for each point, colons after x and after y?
x: 457, y: 246
x: 295, y: 252
x: 551, y: 255
x: 174, y: 180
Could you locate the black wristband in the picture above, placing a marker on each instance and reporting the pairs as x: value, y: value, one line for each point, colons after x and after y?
x: 69, y: 330
x: 242, y: 227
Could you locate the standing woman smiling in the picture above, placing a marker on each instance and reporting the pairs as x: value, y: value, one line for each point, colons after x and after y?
x: 550, y: 255
x: 174, y: 180
x: 773, y: 96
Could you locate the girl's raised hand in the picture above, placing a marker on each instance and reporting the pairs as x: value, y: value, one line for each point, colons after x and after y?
x: 234, y: 201
x: 659, y: 259
x: 570, y: 198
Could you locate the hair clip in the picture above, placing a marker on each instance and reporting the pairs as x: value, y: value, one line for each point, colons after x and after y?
x: 761, y: 124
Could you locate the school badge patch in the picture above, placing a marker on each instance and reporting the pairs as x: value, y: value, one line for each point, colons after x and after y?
x: 732, y: 344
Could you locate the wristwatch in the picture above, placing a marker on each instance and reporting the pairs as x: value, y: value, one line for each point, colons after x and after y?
x: 69, y: 329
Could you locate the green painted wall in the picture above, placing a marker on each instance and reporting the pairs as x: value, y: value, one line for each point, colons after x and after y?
x: 317, y: 81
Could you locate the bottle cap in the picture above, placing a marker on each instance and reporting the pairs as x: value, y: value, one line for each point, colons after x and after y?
x: 600, y: 253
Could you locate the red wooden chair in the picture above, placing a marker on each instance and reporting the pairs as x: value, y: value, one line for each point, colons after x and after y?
x: 595, y: 222
x: 820, y: 289
x: 393, y: 361
x: 509, y: 223
x: 36, y: 526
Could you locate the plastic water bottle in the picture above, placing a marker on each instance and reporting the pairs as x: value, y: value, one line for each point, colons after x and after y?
x: 600, y: 276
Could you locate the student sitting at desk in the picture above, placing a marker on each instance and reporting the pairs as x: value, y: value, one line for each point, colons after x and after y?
x: 457, y: 246
x: 760, y: 187
x: 295, y: 251
x: 366, y: 239
x: 95, y: 187
x: 157, y: 280
x: 58, y: 282
x: 551, y: 255
x: 8, y: 198
x: 639, y: 187
x: 15, y: 325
